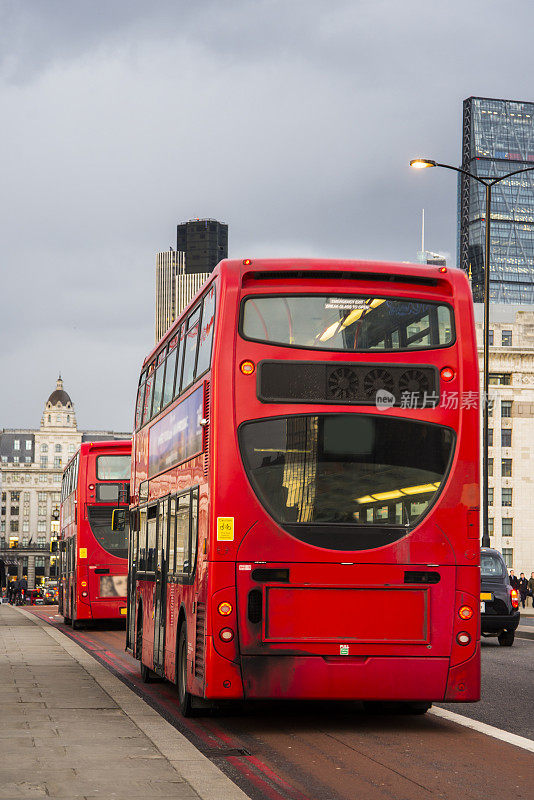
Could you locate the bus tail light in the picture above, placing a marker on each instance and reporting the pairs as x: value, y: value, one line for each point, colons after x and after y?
x: 447, y: 374
x: 225, y: 609
x: 247, y: 367
x: 226, y: 634
x: 465, y: 612
x: 463, y: 638
x: 85, y: 594
x: 514, y: 596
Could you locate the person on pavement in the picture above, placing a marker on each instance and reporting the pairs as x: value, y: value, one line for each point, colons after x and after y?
x: 531, y: 587
x: 514, y: 581
x: 523, y: 588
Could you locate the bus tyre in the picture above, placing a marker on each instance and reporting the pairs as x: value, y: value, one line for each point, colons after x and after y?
x: 184, y: 698
x: 506, y: 638
x: 146, y: 674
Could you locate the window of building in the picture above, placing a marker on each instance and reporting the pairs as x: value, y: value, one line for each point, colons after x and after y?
x: 25, y: 526
x: 506, y: 437
x: 68, y: 417
x: 490, y: 526
x: 490, y: 467
x: 4, y: 459
x: 39, y: 561
x: 490, y: 406
x: 42, y: 509
x: 490, y: 437
x: 507, y: 526
x: 42, y: 478
x: 490, y: 496
x: 57, y: 478
x: 72, y: 448
x: 57, y: 462
x: 490, y: 338
x: 41, y: 497
x: 506, y: 467
x: 506, y: 496
x: 506, y: 408
x: 27, y: 459
x: 507, y: 338
x: 58, y: 448
x: 41, y: 541
x: 508, y: 555
x: 25, y: 541
x: 15, y: 459
x: 16, y: 444
x: 26, y: 497
x: 15, y: 497
x: 44, y: 448
x: 44, y: 462
x: 41, y: 526
x: 500, y: 378
x: 14, y: 526
x: 58, y: 418
x: 28, y: 444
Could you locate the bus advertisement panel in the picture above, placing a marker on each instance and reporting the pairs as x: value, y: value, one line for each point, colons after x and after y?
x: 93, y: 558
x: 305, y: 492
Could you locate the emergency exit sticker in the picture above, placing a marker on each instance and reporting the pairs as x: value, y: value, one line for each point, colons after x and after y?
x: 83, y: 552
x: 225, y: 529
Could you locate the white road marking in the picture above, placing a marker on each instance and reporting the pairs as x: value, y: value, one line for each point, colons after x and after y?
x: 481, y: 727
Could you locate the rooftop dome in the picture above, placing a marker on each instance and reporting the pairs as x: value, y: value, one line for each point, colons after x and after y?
x: 59, y: 397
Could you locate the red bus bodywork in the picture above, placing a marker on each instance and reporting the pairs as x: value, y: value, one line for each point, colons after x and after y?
x: 93, y: 560
x: 375, y: 622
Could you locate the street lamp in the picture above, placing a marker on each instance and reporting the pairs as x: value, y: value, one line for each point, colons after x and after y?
x: 488, y: 183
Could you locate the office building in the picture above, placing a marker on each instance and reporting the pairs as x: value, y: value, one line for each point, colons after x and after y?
x: 31, y: 468
x: 200, y: 245
x: 498, y: 138
x: 511, y: 430
x: 169, y: 264
x: 204, y: 243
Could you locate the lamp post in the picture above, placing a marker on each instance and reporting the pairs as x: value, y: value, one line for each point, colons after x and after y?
x: 488, y: 183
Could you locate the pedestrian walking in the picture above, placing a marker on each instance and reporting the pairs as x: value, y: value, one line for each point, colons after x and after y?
x: 23, y: 590
x: 514, y: 580
x: 523, y: 588
x: 530, y: 585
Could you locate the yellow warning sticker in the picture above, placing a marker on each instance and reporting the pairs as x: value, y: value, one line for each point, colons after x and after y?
x: 225, y: 529
x: 83, y: 552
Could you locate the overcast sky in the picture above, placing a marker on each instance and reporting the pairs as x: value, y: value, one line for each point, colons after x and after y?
x: 291, y: 120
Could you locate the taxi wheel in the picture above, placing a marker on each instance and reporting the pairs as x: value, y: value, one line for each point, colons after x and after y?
x: 506, y: 638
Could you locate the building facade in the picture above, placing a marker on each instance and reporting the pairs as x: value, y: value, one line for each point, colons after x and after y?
x: 204, y: 243
x: 498, y: 138
x: 201, y: 244
x: 169, y: 265
x: 31, y: 468
x: 511, y: 431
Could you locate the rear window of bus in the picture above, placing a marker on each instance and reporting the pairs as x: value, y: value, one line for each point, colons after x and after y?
x: 112, y: 468
x: 356, y: 323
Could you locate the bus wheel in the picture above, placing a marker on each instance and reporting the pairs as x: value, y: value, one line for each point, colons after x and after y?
x: 145, y: 671
x: 184, y: 698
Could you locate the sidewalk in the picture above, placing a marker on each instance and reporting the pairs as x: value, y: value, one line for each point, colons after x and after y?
x: 71, y: 729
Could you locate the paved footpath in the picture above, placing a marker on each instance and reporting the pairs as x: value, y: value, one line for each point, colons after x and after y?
x: 71, y: 729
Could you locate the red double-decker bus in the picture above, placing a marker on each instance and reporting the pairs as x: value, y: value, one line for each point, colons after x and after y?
x: 305, y: 495
x: 93, y: 558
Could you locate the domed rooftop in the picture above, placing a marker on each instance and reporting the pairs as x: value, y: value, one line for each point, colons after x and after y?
x: 59, y: 397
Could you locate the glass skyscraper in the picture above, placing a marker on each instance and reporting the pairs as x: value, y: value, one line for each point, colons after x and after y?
x: 498, y: 138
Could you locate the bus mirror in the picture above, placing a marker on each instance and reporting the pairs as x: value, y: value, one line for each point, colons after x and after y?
x: 118, y: 519
x: 53, y: 546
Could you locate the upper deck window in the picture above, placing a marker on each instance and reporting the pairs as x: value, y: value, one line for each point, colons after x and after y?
x: 112, y: 468
x: 355, y: 323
